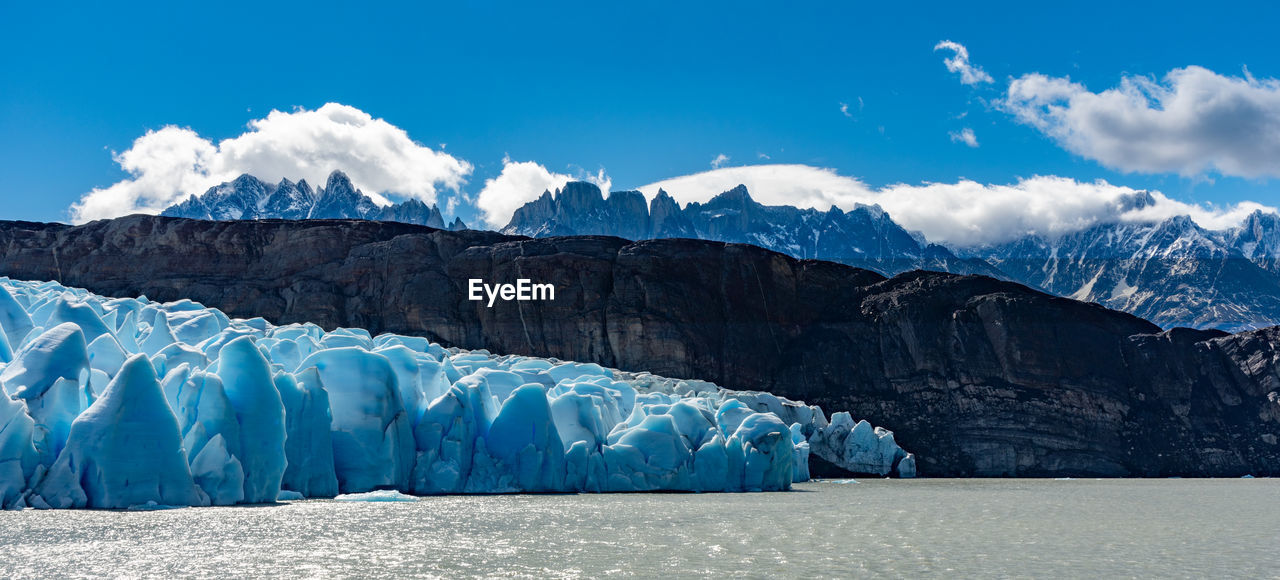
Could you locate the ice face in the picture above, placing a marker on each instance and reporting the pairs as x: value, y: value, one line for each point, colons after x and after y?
x: 124, y: 450
x: 372, y: 439
x: 115, y: 403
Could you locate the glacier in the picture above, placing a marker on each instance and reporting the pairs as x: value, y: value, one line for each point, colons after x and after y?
x: 122, y: 403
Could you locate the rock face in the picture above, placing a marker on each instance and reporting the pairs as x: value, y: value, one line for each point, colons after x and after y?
x: 249, y: 198
x: 982, y: 377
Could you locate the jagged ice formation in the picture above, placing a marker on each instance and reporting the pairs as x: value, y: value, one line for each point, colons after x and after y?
x: 114, y: 403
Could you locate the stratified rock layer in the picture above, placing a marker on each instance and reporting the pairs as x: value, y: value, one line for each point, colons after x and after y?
x: 982, y: 377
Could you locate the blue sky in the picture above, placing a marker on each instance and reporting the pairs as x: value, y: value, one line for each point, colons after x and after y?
x: 643, y: 92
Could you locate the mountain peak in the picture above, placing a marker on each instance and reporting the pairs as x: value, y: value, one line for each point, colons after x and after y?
x: 1137, y: 200
x: 737, y: 196
x: 247, y: 198
x: 338, y: 184
x: 246, y: 180
x: 580, y: 196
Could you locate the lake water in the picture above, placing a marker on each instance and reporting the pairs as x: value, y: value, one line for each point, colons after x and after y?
x: 1041, y: 528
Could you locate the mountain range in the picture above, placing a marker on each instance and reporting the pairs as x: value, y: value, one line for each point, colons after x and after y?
x: 248, y: 198
x: 1173, y: 272
x: 864, y: 237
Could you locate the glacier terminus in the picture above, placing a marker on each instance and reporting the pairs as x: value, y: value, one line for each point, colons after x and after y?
x: 123, y: 402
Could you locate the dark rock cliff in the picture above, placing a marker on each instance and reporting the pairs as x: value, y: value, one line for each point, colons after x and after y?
x: 975, y: 375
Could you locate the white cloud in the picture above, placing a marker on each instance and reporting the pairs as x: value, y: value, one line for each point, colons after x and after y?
x: 844, y: 108
x: 965, y: 136
x: 965, y: 213
x: 1193, y: 121
x: 168, y: 164
x: 959, y: 63
x: 522, y: 182
x: 720, y: 160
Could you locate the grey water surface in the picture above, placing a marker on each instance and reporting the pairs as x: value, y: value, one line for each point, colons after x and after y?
x: 942, y: 527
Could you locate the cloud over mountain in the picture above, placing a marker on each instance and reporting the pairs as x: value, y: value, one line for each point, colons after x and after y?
x: 965, y: 213
x: 167, y: 164
x: 522, y: 182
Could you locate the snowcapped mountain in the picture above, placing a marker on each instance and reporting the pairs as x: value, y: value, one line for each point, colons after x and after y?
x: 865, y: 237
x: 247, y: 198
x: 1258, y: 239
x: 1173, y: 273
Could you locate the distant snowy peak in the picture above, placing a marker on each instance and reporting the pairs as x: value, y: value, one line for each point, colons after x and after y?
x: 248, y: 198
x: 1258, y: 239
x: 865, y: 236
x: 1173, y: 272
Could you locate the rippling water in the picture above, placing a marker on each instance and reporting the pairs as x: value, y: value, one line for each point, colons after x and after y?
x: 1166, y: 528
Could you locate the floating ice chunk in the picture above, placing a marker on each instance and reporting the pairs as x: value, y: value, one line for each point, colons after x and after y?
x: 124, y: 450
x: 152, y: 506
x: 290, y: 495
x: 382, y: 495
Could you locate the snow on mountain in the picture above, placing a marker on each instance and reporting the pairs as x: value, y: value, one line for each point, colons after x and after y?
x: 248, y: 198
x: 1258, y: 239
x: 126, y: 402
x: 1173, y: 273
x: 865, y: 237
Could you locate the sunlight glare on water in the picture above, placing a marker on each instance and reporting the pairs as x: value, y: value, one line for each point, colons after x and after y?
x: 1165, y: 528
